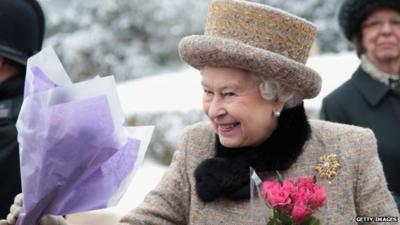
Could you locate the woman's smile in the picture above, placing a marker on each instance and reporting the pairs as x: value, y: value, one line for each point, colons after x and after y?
x: 228, y: 128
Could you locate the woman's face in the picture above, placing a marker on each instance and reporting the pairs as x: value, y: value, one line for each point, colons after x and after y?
x: 234, y: 105
x: 381, y: 35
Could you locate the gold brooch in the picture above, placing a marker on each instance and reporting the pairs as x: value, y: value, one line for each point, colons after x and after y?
x: 327, y: 167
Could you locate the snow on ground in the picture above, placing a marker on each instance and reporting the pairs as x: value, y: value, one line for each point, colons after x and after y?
x: 334, y: 70
x: 181, y: 90
x: 174, y: 91
x: 146, y: 178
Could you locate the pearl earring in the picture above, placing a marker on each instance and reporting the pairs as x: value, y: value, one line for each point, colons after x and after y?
x: 277, y: 113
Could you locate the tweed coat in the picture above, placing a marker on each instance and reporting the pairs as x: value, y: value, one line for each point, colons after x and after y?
x: 365, y: 102
x: 359, y: 188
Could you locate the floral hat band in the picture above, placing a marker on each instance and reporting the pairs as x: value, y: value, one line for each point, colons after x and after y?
x: 258, y: 38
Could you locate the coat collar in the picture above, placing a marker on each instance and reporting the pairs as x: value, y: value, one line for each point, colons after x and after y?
x: 13, y: 86
x: 372, y: 90
x: 227, y: 173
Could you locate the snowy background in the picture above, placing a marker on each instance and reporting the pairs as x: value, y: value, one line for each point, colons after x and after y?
x: 136, y: 40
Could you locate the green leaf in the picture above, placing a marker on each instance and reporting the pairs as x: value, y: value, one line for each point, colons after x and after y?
x: 286, y: 219
x: 278, y: 212
x: 315, y: 221
x: 311, y: 221
x: 271, y: 223
x: 280, y: 178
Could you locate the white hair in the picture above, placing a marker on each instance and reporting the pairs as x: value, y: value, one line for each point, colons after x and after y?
x: 272, y: 90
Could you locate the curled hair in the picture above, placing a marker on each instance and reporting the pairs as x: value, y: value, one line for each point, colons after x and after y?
x: 272, y: 89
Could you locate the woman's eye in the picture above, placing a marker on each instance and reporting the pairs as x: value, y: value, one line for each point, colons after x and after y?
x: 395, y: 22
x: 372, y: 24
x: 230, y: 94
x: 207, y: 92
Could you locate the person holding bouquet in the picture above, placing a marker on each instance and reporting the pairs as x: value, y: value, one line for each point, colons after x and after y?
x: 252, y: 62
x: 22, y: 27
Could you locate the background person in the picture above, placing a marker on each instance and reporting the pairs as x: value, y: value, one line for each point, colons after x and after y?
x: 21, y: 35
x: 371, y: 98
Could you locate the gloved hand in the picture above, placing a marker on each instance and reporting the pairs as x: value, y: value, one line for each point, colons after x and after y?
x: 16, y: 208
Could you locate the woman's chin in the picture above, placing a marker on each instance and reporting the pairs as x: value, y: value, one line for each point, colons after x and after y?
x: 229, y: 143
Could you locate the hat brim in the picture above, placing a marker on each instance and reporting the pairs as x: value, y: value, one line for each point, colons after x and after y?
x: 13, y: 55
x: 203, y: 50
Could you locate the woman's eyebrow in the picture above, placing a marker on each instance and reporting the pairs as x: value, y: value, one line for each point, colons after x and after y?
x: 204, y: 84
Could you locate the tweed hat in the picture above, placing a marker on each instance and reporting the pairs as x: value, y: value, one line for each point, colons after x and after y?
x: 352, y: 13
x: 265, y: 40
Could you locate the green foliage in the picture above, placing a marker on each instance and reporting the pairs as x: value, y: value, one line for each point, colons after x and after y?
x: 311, y: 221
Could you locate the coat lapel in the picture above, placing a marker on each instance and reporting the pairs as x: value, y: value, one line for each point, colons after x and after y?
x: 373, y: 91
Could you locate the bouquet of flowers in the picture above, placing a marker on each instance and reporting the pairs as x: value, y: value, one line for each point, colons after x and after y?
x: 75, y: 153
x: 292, y: 202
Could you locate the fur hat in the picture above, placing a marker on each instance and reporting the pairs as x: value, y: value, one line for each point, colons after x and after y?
x: 258, y: 38
x: 352, y: 13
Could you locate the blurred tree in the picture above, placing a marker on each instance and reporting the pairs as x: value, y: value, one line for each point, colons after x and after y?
x: 135, y: 38
x: 323, y: 14
x: 127, y: 38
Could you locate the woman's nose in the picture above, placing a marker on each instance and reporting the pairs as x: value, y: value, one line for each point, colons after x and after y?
x: 386, y: 28
x: 216, y: 109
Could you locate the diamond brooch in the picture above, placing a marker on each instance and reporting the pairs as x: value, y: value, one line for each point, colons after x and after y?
x: 327, y: 167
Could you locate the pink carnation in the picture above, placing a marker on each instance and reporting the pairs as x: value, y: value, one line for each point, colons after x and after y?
x: 300, y: 211
x: 289, y: 186
x: 298, y: 199
x: 318, y: 197
x: 275, y: 194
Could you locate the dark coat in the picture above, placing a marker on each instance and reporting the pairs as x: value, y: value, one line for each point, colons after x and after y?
x: 365, y: 102
x: 11, y: 95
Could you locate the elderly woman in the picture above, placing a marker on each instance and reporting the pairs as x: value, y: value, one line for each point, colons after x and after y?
x: 371, y: 98
x: 252, y: 62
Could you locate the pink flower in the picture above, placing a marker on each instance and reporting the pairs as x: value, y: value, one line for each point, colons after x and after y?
x: 297, y: 199
x: 305, y: 182
x: 318, y: 197
x: 275, y: 194
x: 289, y: 186
x: 266, y: 186
x: 300, y: 211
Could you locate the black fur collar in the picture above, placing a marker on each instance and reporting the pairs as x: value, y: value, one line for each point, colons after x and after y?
x: 227, y: 173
